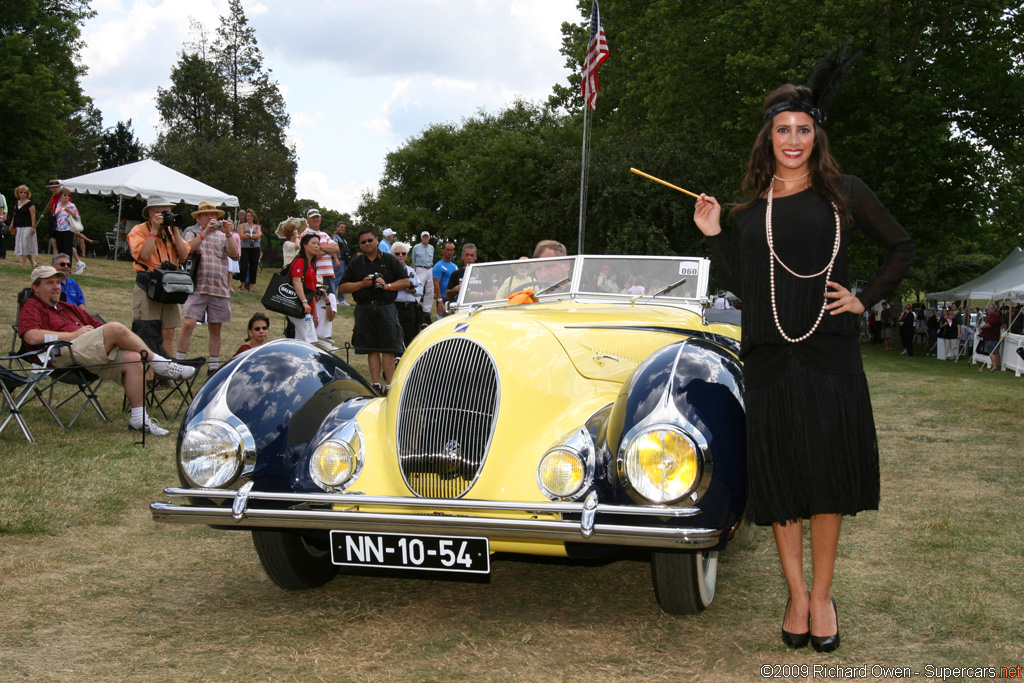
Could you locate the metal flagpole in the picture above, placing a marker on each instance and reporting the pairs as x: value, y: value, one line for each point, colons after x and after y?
x: 597, y: 52
x: 583, y: 178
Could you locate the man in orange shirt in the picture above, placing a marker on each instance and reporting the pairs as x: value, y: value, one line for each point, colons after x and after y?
x: 151, y: 244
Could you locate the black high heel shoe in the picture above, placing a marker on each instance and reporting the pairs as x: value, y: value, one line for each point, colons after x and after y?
x: 793, y: 640
x: 827, y: 643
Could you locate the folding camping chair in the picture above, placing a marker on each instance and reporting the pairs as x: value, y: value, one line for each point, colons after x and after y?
x: 17, y: 387
x: 84, y: 383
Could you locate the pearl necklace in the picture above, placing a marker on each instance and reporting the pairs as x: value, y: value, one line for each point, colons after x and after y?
x: 791, y: 180
x: 827, y: 270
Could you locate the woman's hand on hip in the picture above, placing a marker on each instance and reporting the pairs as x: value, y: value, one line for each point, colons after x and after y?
x: 845, y: 301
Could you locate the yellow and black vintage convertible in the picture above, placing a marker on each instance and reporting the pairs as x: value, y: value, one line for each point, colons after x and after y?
x: 571, y: 406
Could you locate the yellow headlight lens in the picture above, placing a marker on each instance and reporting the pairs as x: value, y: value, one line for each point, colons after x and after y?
x: 332, y: 463
x: 662, y: 465
x: 561, y: 473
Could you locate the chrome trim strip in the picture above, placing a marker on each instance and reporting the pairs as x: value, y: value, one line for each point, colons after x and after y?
x: 529, y: 529
x: 358, y: 499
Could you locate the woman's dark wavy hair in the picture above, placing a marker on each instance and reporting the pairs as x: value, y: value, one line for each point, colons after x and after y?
x: 825, y: 174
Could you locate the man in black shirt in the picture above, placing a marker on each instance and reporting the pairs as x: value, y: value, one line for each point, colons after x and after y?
x: 374, y: 279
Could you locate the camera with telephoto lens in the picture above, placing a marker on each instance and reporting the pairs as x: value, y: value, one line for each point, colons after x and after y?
x: 172, y: 219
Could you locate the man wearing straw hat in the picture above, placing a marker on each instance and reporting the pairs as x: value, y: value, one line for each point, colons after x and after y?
x: 212, y: 296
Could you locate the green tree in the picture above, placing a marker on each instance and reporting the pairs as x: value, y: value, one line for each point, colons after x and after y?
x: 496, y: 180
x: 224, y: 120
x: 256, y: 114
x: 45, y: 120
x: 120, y: 146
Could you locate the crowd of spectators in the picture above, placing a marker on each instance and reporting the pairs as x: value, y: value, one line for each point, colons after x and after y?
x: 946, y: 331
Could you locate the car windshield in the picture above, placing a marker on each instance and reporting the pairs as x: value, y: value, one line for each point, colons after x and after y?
x: 598, y: 277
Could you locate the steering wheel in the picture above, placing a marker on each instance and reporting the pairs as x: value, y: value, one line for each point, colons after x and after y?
x: 539, y: 284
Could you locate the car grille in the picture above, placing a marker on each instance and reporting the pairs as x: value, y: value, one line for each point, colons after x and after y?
x: 446, y: 418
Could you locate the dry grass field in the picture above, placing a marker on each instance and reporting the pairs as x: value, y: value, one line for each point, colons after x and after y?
x: 91, y: 589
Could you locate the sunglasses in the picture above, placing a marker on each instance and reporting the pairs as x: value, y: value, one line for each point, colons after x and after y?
x: 63, y: 265
x: 399, y: 253
x: 366, y: 241
x: 260, y: 329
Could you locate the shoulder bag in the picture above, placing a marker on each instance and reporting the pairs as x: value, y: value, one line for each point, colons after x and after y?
x: 280, y: 296
x: 75, y: 223
x: 169, y: 285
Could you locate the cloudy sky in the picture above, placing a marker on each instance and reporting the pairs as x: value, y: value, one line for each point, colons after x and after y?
x: 359, y: 77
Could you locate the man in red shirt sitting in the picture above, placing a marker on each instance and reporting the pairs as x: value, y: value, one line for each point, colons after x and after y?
x: 109, y: 350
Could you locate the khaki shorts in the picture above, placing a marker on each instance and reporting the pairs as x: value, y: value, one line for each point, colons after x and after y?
x: 216, y: 308
x: 90, y: 351
x: 144, y: 308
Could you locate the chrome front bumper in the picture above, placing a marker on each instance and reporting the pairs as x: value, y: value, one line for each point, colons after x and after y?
x: 441, y: 516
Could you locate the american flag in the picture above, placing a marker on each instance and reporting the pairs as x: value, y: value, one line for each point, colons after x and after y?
x: 597, y: 52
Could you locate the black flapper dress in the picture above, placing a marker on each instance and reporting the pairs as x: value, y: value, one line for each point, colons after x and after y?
x: 811, y: 444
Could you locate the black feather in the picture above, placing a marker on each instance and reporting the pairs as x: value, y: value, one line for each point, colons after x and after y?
x: 829, y: 74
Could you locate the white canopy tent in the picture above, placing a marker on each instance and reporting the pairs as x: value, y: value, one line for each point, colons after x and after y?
x: 1004, y: 281
x: 144, y: 179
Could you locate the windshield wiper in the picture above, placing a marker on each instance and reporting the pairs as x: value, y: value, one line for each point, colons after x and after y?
x: 547, y: 289
x: 663, y: 290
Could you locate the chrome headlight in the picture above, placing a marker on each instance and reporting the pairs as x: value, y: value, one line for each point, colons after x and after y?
x: 337, y: 461
x: 211, y: 454
x: 567, y: 470
x: 661, y: 463
x: 561, y: 473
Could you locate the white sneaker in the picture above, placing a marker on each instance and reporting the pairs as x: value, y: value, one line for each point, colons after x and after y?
x: 344, y: 303
x: 80, y: 267
x: 168, y: 368
x: 149, y: 426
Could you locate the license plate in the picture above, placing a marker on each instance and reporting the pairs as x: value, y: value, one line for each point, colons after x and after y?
x: 404, y: 551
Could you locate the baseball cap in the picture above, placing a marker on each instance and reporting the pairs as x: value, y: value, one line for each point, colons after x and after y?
x: 424, y: 233
x: 312, y: 212
x: 41, y: 273
x: 388, y: 232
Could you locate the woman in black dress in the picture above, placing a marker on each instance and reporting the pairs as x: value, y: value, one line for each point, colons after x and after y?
x: 811, y: 446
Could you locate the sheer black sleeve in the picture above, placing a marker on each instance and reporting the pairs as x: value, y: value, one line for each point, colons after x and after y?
x: 726, y: 253
x: 875, y: 221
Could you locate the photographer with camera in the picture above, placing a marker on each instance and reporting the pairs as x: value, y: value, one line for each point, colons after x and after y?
x: 374, y: 279
x: 156, y: 243
x: 213, y: 238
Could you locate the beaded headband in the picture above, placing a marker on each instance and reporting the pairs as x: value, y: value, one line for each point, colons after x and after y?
x: 792, y: 105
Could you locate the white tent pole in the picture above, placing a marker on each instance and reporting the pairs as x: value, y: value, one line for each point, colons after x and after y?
x: 117, y: 226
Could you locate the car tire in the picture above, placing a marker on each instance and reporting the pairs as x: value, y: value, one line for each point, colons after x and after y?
x: 684, y: 582
x: 293, y: 561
